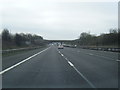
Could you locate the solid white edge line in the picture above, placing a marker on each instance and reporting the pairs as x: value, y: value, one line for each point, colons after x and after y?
x: 2, y: 72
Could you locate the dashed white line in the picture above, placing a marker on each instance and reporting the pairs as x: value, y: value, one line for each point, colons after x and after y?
x: 84, y: 77
x: 62, y: 55
x: 59, y: 51
x: 2, y: 72
x: 105, y: 58
x: 118, y: 60
x: 77, y: 71
x: 66, y: 59
x: 98, y: 56
x: 70, y: 64
x: 90, y: 54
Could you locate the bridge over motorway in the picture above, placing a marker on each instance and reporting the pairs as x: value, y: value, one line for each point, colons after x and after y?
x: 60, y: 41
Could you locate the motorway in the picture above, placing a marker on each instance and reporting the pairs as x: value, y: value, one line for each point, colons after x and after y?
x: 61, y: 68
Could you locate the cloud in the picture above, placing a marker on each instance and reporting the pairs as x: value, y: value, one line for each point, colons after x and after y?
x: 58, y: 20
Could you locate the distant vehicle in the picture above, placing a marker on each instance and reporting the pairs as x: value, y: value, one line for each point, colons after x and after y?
x: 74, y: 46
x: 60, y: 47
x: 71, y: 46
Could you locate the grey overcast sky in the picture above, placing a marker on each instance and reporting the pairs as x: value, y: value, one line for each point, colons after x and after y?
x: 58, y: 19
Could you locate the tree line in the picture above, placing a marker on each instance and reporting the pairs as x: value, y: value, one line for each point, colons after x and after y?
x: 106, y: 39
x: 20, y: 39
x: 85, y: 39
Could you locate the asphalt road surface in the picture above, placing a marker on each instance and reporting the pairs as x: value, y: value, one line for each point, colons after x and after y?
x: 61, y: 68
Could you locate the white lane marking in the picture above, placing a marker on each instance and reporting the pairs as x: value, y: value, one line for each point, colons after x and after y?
x: 84, y: 77
x: 90, y: 53
x: 2, y: 72
x: 62, y: 55
x: 70, y: 64
x: 99, y: 56
x: 59, y: 51
x: 118, y: 60
x: 78, y: 72
x: 66, y: 58
x: 105, y: 57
